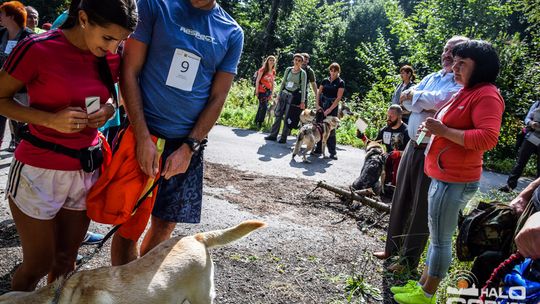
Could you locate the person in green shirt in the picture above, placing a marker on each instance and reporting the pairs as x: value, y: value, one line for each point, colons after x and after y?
x: 291, y: 100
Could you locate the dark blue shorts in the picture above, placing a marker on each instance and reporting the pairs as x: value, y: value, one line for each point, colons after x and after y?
x: 179, y: 199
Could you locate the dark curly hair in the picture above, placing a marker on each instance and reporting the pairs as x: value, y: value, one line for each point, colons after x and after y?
x: 486, y: 60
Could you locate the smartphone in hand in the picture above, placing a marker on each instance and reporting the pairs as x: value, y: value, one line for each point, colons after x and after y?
x: 92, y: 104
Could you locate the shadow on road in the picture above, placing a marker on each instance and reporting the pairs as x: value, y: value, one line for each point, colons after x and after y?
x: 272, y: 149
x: 5, y: 280
x: 315, y: 165
x: 8, y: 234
x: 242, y: 132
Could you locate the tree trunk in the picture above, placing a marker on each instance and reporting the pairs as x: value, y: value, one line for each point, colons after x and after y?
x: 270, y: 27
x: 362, y: 199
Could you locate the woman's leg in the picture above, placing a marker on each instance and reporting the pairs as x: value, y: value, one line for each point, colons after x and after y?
x: 70, y: 229
x: 261, y: 111
x: 37, y: 241
x: 445, y: 201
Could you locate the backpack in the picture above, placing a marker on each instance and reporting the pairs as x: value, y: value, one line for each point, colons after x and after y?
x: 254, y: 77
x: 489, y: 227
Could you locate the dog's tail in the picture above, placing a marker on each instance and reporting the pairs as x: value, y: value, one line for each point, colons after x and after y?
x: 225, y: 236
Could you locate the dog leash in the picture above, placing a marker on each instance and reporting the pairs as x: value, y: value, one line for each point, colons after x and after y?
x: 99, y: 246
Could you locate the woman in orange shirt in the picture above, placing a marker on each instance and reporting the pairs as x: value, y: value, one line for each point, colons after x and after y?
x: 264, y: 85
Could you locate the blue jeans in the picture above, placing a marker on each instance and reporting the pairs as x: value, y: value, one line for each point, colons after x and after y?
x: 444, y: 202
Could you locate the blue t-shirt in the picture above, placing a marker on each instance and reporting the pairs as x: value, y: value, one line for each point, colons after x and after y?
x: 186, y: 47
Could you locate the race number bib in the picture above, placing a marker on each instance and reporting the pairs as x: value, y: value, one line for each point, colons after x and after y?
x: 387, y: 137
x: 289, y: 85
x: 9, y: 46
x: 183, y: 70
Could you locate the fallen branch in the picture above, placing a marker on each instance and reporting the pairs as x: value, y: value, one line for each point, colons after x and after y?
x: 362, y: 199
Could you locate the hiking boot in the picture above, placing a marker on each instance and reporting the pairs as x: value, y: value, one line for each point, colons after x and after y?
x: 282, y: 140
x: 92, y: 238
x: 270, y: 137
x: 407, y: 288
x: 415, y: 297
x: 506, y: 189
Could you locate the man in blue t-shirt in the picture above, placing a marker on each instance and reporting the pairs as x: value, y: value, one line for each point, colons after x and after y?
x: 178, y: 68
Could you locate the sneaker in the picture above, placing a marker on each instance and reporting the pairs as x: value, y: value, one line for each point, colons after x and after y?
x: 407, y: 288
x: 272, y: 138
x: 79, y: 259
x: 333, y: 156
x: 12, y: 146
x: 506, y: 189
x: 282, y: 140
x: 417, y: 296
x: 92, y: 238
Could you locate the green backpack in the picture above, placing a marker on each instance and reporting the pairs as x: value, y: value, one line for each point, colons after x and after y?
x: 489, y: 227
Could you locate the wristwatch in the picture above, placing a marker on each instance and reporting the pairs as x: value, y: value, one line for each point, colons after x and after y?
x: 193, y: 144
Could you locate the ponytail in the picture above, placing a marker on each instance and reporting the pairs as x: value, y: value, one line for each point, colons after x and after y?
x: 73, y: 15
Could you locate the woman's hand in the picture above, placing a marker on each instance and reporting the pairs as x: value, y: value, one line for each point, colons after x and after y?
x: 100, y: 117
x: 435, y: 126
x: 327, y: 112
x: 69, y: 120
x: 302, y: 105
x: 422, y: 128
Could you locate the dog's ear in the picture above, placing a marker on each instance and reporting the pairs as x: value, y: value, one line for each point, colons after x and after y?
x: 312, y: 112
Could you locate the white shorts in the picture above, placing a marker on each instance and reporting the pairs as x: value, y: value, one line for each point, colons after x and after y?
x: 41, y: 193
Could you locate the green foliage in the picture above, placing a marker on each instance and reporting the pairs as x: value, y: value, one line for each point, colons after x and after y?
x: 241, y: 106
x: 379, y: 66
x: 48, y: 10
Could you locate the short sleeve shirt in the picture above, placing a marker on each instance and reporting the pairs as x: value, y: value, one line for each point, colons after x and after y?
x: 267, y: 80
x: 57, y: 75
x: 330, y: 88
x: 186, y: 47
x: 394, y: 138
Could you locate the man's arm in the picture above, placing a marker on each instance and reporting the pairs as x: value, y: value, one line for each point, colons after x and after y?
x: 530, y: 114
x: 132, y: 63
x: 179, y: 160
x: 524, y: 196
x: 528, y: 238
x: 314, y: 87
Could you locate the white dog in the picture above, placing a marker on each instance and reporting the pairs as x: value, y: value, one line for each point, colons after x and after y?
x: 177, y: 270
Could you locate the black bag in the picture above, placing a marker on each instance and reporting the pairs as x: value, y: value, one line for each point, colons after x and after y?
x: 489, y: 227
x: 91, y: 158
x: 284, y: 101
